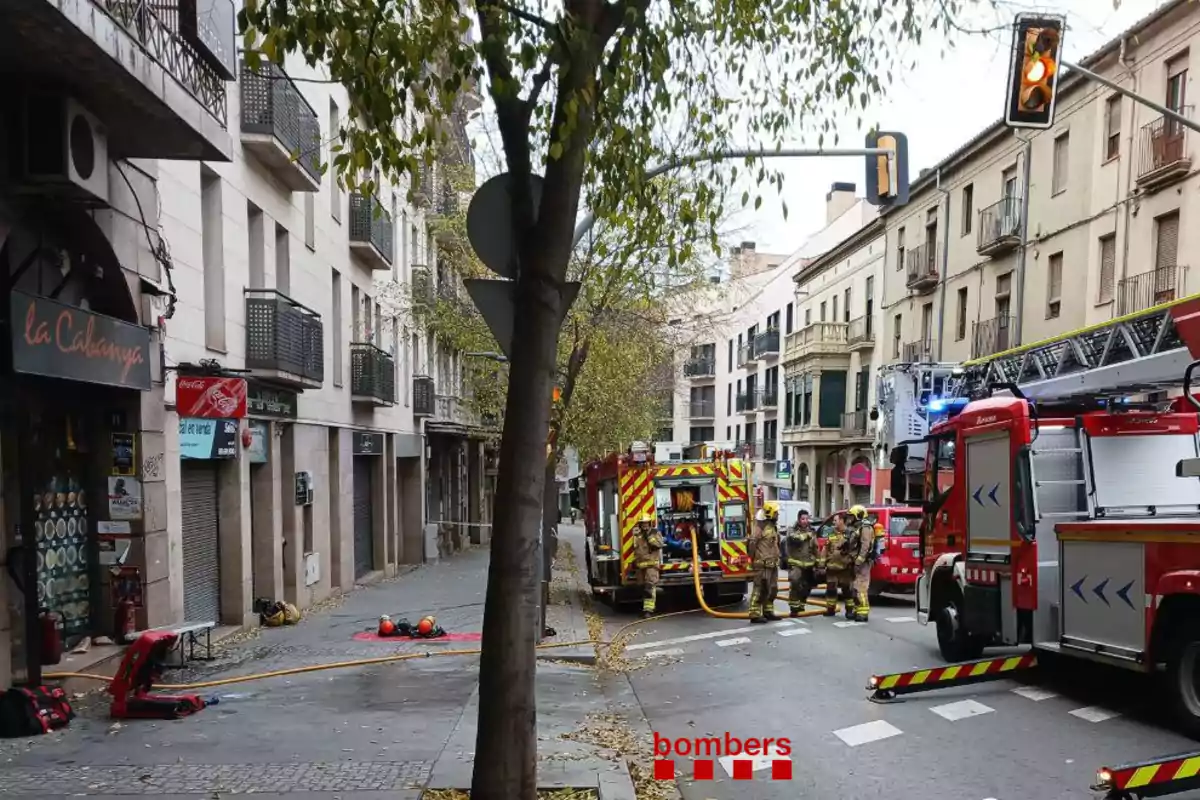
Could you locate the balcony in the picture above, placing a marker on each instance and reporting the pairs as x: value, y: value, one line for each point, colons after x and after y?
x: 453, y: 410
x: 423, y: 396
x: 1163, y: 153
x: 854, y: 424
x: 769, y: 450
x: 993, y: 336
x: 280, y: 128
x: 423, y: 296
x: 370, y: 231
x: 136, y: 64
x: 817, y: 339
x: 422, y: 185
x: 745, y: 354
x: 285, y: 341
x: 918, y: 352
x: 766, y: 344
x: 860, y: 334
x: 1139, y: 292
x: 749, y: 449
x: 746, y: 402
x: 999, y: 227
x: 922, y: 265
x: 700, y: 367
x: 768, y: 398
x: 701, y: 409
x: 372, y: 375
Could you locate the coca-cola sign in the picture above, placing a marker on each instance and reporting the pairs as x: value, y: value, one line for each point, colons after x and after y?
x: 211, y: 398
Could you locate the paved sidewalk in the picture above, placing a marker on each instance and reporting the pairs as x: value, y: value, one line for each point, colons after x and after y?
x: 361, y: 733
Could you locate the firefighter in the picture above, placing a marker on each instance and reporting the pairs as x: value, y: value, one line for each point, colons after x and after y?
x: 839, y: 574
x: 647, y: 552
x: 763, y: 547
x: 863, y: 544
x: 802, y: 562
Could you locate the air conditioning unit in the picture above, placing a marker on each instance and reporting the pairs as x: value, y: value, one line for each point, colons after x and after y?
x: 61, y: 149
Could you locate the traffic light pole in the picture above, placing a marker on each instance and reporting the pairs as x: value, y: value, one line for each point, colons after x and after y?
x: 587, y: 223
x: 1134, y: 96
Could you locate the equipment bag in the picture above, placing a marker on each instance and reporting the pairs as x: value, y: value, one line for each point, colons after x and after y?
x: 32, y: 712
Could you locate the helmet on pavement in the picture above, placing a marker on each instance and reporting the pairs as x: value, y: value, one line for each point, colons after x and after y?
x: 858, y: 512
x: 770, y: 510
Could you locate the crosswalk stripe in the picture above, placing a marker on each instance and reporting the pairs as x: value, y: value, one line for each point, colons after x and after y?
x: 673, y: 651
x: 731, y: 642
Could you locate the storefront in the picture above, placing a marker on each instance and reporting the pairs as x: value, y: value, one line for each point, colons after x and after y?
x: 269, y: 410
x: 368, y: 455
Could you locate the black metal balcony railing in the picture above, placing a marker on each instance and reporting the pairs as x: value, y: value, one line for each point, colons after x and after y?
x: 1163, y: 148
x: 272, y: 105
x: 917, y: 352
x: 371, y: 224
x: 700, y: 367
x: 746, y: 401
x: 283, y: 336
x: 768, y: 397
x: 424, y: 403
x: 1139, y: 292
x: 993, y: 336
x: 922, y: 265
x: 749, y: 449
x: 860, y: 331
x: 999, y: 225
x: 766, y: 343
x: 770, y: 449
x: 702, y: 409
x: 854, y: 423
x: 372, y: 373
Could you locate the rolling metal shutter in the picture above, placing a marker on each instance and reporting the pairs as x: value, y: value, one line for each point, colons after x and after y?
x: 201, y: 542
x: 364, y: 536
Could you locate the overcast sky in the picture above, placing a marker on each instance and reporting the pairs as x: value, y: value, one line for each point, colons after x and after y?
x: 940, y: 106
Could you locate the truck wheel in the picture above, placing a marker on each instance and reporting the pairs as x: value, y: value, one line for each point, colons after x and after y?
x: 1183, y: 678
x: 587, y: 565
x: 954, y: 643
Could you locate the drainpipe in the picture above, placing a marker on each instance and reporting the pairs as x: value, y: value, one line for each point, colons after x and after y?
x: 1020, y: 287
x: 941, y: 326
x: 1123, y: 59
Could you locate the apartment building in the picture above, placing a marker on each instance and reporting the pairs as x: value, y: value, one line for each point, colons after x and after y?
x: 1019, y: 236
x: 180, y: 233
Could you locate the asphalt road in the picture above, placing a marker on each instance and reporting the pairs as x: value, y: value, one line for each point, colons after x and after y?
x: 1041, y: 737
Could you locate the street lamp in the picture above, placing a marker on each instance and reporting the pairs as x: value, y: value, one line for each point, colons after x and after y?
x: 499, y: 358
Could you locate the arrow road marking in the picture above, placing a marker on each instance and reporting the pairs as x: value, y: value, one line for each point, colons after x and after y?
x: 1077, y: 588
x: 1123, y: 593
x: 976, y: 495
x: 1099, y: 591
x: 992, y: 494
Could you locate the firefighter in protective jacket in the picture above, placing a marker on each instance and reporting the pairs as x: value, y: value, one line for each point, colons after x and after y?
x: 802, y: 563
x: 863, y: 543
x: 763, y: 547
x: 647, y: 553
x: 839, y: 566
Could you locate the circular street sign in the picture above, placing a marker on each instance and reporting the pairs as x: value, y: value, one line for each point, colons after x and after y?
x: 489, y: 222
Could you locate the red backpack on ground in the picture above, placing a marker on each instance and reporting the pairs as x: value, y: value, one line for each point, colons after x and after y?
x: 32, y: 712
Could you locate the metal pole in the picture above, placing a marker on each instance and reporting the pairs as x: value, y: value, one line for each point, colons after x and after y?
x: 588, y: 222
x: 1134, y: 96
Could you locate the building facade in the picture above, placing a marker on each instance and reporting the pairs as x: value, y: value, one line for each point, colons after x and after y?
x: 166, y: 230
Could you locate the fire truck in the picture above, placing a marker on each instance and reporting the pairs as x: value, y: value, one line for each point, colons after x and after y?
x: 706, y: 489
x: 1070, y: 525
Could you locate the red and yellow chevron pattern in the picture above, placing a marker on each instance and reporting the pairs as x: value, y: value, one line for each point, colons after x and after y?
x: 731, y: 483
x: 637, y: 500
x: 1164, y: 770
x: 950, y: 674
x: 734, y: 559
x: 681, y: 566
x: 686, y: 471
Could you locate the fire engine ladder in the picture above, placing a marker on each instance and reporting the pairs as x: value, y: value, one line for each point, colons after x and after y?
x: 1136, y: 353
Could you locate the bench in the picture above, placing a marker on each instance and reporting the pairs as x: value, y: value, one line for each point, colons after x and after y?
x: 190, y: 634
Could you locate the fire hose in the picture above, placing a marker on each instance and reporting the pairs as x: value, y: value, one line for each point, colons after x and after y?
x: 733, y: 614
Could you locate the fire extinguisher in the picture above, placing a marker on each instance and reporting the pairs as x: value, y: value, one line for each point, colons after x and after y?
x: 125, y: 622
x: 52, y: 644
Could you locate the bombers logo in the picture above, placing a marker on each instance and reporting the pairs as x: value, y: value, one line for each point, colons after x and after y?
x: 739, y: 758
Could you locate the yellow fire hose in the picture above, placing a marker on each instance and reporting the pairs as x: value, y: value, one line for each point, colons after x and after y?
x: 732, y: 614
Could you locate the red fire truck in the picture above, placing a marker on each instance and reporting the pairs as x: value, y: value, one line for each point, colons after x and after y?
x: 1068, y: 526
x: 709, y: 493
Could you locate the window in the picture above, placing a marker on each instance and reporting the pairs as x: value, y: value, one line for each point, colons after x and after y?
x: 846, y: 305
x: 807, y: 317
x: 1112, y: 127
x: 1054, y: 286
x: 310, y: 221
x: 869, y: 311
x: 968, y: 207
x: 335, y: 191
x: 728, y: 432
x: 729, y: 399
x: 788, y: 318
x: 212, y: 242
x: 822, y: 312
x: 773, y: 322
x: 835, y: 309
x: 960, y: 321
x: 257, y: 246
x: 1062, y: 146
x: 1108, y: 268
x: 335, y: 322
x: 1177, y: 82
x: 730, y: 369
x: 896, y: 335
x: 927, y: 326
x: 900, y: 250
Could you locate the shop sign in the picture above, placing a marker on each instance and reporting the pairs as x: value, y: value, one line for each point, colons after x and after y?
x: 783, y: 470
x: 124, y: 498
x: 262, y: 401
x: 858, y: 475
x: 368, y: 444
x: 208, y: 439
x: 211, y: 398
x: 61, y: 341
x: 260, y: 436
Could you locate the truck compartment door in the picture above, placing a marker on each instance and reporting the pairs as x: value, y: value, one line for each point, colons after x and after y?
x: 989, y: 497
x: 1103, y: 598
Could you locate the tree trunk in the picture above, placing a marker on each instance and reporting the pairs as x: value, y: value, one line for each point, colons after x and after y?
x: 506, y: 744
x: 549, y: 527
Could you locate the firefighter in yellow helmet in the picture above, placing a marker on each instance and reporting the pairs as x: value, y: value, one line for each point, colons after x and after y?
x: 839, y: 566
x: 763, y: 548
x: 647, y: 555
x: 802, y: 562
x: 862, y: 547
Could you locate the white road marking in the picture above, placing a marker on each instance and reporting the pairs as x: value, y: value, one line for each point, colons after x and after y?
x: 961, y: 710
x: 673, y: 651
x: 1093, y: 713
x: 770, y: 754
x: 867, y: 732
x: 843, y: 624
x: 901, y: 619
x: 1035, y: 694
x: 794, y: 631
x: 732, y: 642
x: 699, y: 637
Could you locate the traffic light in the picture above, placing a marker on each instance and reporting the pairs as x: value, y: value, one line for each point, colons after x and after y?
x: 1033, y: 71
x: 887, y: 176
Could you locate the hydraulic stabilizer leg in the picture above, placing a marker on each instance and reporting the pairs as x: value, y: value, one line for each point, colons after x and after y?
x: 1157, y: 777
x: 884, y: 688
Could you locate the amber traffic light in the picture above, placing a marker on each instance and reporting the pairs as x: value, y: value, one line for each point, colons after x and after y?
x: 887, y: 174
x: 1034, y: 71
x: 556, y: 395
